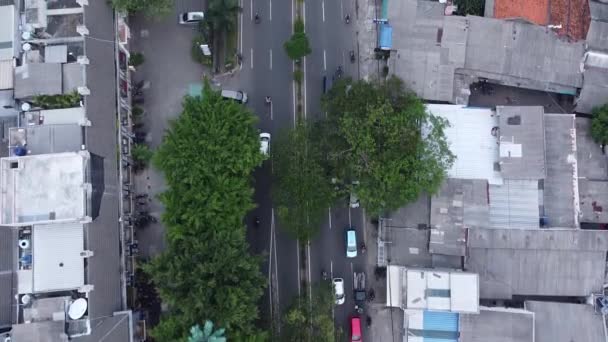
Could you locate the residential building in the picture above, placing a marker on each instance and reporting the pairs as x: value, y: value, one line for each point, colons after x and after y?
x: 62, y: 274
x: 439, y: 56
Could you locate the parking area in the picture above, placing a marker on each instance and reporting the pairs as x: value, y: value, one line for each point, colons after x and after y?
x: 168, y: 73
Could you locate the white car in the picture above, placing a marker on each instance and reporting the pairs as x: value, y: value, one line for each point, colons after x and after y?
x: 351, y: 242
x: 339, y: 290
x: 190, y: 17
x: 265, y: 143
x: 235, y: 95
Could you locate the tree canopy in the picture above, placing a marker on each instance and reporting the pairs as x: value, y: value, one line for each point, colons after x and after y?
x: 298, y: 45
x: 206, y: 272
x: 380, y: 136
x: 222, y: 14
x: 311, y: 319
x: 151, y: 8
x: 301, y: 191
x: 599, y: 125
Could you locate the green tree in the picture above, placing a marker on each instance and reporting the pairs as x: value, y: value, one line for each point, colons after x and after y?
x: 222, y: 15
x: 206, y: 272
x: 298, y: 45
x: 207, y: 334
x: 599, y: 125
x: 301, y: 191
x: 141, y: 156
x: 471, y: 7
x: 150, y: 8
x: 310, y: 319
x: 381, y: 135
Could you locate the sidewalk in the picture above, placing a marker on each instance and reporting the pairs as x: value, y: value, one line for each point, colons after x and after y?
x: 367, y: 37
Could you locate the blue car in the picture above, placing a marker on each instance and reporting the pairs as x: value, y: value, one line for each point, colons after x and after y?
x: 351, y: 242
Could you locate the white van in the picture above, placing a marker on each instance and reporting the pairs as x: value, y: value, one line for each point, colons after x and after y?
x: 235, y: 95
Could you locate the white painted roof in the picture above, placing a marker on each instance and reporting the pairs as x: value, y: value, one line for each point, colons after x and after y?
x: 57, y: 263
x: 471, y: 141
x: 44, y: 188
x: 435, y: 290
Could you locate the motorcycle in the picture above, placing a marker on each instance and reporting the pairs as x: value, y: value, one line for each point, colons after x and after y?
x: 257, y: 18
x: 324, y: 275
x: 363, y: 248
x: 347, y: 19
x: 339, y: 72
x: 352, y: 56
x: 256, y: 221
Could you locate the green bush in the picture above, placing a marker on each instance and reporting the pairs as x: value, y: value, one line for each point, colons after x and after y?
x: 298, y: 75
x: 297, y: 46
x: 471, y: 7
x: 57, y: 101
x: 136, y: 59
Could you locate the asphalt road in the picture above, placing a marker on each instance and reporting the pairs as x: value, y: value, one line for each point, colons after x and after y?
x: 266, y: 71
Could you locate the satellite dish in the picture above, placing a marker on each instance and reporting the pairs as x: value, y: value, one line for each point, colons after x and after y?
x: 26, y: 47
x: 24, y: 243
x: 25, y: 299
x: 26, y: 106
x: 77, y: 308
x: 26, y: 35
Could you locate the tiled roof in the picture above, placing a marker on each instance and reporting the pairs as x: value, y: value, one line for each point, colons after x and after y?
x: 572, y: 15
x: 536, y: 11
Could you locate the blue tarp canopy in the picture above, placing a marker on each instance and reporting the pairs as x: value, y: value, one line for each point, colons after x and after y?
x: 386, y: 37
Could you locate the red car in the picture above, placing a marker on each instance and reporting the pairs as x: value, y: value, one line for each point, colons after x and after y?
x: 355, y: 330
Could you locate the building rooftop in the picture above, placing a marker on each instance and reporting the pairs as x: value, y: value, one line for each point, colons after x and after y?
x: 593, y: 201
x: 566, y: 322
x: 571, y: 15
x: 57, y: 260
x: 426, y: 60
x: 471, y: 141
x: 497, y: 325
x: 522, y: 142
x: 38, y: 79
x: 515, y: 204
x: 45, y: 139
x: 421, y: 326
x: 522, y: 55
x: 428, y: 289
x: 7, y: 31
x: 595, y: 74
x: 7, y: 277
x: 44, y: 188
x: 548, y: 262
x: 458, y: 205
x: 561, y: 198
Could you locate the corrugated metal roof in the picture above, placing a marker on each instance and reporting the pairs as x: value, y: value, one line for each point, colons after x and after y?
x: 471, y: 141
x: 515, y: 204
x: 6, y: 74
x: 497, y: 325
x: 548, y: 262
x: 530, y: 53
x: 8, y: 242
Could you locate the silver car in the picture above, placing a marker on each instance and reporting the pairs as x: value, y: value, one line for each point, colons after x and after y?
x: 190, y: 17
